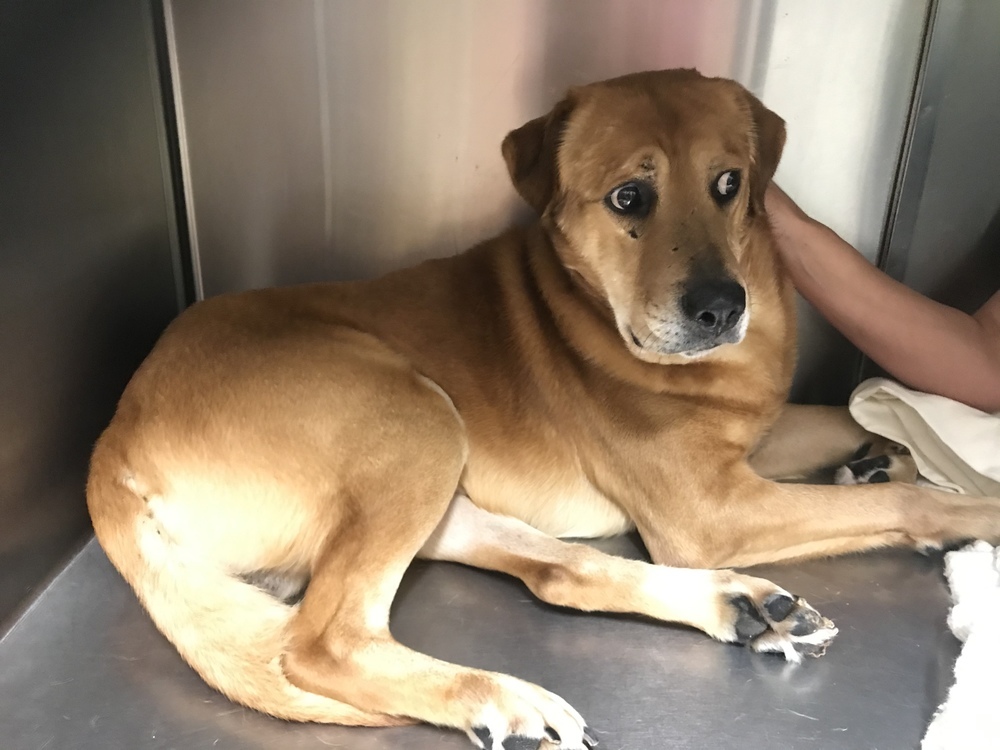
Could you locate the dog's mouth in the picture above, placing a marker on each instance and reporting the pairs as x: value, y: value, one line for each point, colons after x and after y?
x: 651, y: 348
x: 679, y: 340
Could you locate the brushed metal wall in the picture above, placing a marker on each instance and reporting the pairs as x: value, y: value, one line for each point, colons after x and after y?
x: 86, y: 262
x: 334, y: 140
x: 945, y: 239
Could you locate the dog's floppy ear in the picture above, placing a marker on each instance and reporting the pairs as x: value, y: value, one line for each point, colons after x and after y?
x: 770, y: 135
x: 530, y: 154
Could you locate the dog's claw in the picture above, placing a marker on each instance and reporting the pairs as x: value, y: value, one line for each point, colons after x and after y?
x: 588, y: 737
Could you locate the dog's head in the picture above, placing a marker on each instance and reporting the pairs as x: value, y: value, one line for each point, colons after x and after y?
x: 650, y: 185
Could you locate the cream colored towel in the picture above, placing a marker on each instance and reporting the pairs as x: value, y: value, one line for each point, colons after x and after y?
x: 955, y: 446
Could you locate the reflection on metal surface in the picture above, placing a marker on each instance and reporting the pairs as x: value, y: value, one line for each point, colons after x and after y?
x: 332, y: 140
x: 86, y: 268
x: 110, y: 680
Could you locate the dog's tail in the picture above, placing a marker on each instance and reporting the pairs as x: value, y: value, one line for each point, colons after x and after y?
x: 232, y: 633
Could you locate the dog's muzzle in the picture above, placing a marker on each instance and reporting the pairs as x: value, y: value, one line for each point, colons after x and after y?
x: 709, y: 312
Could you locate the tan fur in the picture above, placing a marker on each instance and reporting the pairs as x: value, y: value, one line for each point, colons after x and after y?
x: 474, y: 408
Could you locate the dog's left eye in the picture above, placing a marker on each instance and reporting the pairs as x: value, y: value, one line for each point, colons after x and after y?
x: 725, y: 186
x: 630, y: 199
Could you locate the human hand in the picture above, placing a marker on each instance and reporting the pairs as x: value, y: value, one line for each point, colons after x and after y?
x: 796, y: 233
x: 784, y: 213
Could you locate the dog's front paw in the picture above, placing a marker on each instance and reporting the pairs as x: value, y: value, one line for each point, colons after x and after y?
x: 883, y: 461
x: 767, y: 619
x: 527, y: 717
x: 484, y: 739
x: 784, y: 624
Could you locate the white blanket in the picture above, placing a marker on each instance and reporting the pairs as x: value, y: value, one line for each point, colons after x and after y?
x: 970, y: 718
x: 957, y: 448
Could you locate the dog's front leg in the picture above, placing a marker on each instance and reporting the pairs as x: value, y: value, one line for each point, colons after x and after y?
x: 735, y: 518
x: 729, y: 606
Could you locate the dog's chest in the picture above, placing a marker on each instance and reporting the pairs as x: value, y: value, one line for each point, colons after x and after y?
x: 545, y: 490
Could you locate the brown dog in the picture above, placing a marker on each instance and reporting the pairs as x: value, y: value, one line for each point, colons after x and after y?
x: 611, y: 366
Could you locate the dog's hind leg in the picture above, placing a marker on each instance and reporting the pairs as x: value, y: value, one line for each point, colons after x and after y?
x: 728, y: 606
x: 807, y: 439
x: 807, y: 442
x: 340, y: 645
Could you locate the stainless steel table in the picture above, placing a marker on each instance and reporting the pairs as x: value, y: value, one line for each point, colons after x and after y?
x: 84, y: 668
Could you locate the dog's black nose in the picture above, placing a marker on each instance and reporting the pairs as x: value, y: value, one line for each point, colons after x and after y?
x: 715, y: 305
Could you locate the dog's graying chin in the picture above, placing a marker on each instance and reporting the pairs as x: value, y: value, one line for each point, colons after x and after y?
x: 664, y: 331
x: 664, y: 337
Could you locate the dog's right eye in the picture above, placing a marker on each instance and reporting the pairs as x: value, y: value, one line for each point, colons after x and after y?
x: 630, y: 199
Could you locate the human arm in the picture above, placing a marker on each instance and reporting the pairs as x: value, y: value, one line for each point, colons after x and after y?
x: 927, y: 345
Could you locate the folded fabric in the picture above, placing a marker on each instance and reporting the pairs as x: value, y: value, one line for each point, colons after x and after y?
x: 955, y: 446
